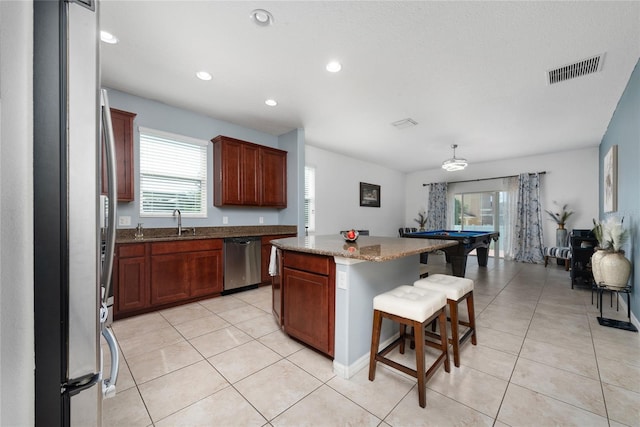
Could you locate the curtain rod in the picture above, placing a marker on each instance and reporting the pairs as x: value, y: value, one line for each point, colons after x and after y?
x: 487, y: 179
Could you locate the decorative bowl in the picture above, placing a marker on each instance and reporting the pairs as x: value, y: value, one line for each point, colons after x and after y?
x: 344, y: 235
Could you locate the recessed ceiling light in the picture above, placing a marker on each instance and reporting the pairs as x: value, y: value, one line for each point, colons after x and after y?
x: 334, y: 67
x: 203, y: 75
x: 108, y: 37
x: 262, y: 17
x: 271, y: 102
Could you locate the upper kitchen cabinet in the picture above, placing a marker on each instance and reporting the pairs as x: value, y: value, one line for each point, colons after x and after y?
x: 247, y: 174
x: 122, y: 122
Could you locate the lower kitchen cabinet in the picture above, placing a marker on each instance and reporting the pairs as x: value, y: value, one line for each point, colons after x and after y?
x: 157, y: 275
x: 308, y: 303
x: 169, y: 278
x: 206, y: 273
x: 130, y: 279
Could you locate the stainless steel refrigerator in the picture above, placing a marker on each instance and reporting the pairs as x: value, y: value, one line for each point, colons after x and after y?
x: 72, y: 271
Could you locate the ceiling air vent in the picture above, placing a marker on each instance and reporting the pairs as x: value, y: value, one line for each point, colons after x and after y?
x: 404, y: 123
x: 580, y: 68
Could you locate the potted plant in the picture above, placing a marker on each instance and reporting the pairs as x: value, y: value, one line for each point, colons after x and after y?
x: 421, y: 220
x: 560, y: 218
x: 608, y: 263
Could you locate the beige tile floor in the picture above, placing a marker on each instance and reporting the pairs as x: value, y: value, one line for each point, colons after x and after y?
x: 542, y: 359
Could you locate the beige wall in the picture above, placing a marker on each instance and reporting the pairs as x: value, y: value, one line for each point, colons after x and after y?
x: 571, y: 177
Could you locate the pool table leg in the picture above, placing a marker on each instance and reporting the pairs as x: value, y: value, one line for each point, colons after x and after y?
x: 483, y: 256
x: 458, y: 265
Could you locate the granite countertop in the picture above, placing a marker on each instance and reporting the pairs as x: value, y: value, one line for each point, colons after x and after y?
x: 127, y: 235
x: 367, y: 248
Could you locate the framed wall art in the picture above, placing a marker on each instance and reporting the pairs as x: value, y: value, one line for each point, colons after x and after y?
x: 610, y: 180
x: 369, y: 195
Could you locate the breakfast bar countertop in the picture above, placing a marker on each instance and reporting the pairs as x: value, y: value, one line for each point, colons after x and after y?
x: 366, y: 248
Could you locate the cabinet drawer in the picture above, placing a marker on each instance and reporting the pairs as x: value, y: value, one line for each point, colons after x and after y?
x: 307, y: 262
x: 185, y: 246
x: 128, y: 251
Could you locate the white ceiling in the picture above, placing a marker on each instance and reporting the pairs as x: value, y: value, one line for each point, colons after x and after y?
x: 470, y: 73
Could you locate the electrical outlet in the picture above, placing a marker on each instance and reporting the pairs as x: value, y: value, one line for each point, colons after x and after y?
x: 124, y: 220
x: 261, y: 220
x: 225, y: 220
x: 342, y: 280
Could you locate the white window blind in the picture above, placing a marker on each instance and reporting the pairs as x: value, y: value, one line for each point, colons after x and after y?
x: 310, y: 198
x: 173, y: 174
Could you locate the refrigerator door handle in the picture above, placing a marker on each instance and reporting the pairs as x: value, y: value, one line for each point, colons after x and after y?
x: 109, y: 384
x: 112, y: 194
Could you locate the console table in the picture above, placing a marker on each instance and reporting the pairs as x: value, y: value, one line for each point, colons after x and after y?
x: 582, y: 243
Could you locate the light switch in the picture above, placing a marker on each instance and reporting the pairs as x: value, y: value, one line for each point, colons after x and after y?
x: 225, y: 220
x: 261, y: 220
x: 124, y: 220
x: 342, y: 280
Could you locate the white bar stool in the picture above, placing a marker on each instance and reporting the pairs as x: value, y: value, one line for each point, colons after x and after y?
x: 457, y: 289
x: 414, y: 307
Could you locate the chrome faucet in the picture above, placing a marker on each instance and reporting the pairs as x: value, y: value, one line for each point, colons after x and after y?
x: 179, y: 220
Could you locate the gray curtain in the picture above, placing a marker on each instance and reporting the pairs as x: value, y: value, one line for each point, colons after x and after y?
x: 437, y: 207
x: 528, y: 223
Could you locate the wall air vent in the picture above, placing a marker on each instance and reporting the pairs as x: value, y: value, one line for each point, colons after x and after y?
x: 577, y: 69
x: 404, y: 123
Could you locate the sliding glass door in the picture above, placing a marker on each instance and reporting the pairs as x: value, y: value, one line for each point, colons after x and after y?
x: 482, y: 211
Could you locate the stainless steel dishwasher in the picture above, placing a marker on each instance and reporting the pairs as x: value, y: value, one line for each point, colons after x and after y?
x: 241, y: 263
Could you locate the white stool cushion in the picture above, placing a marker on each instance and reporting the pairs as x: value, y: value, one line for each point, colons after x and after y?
x: 455, y: 287
x: 410, y: 302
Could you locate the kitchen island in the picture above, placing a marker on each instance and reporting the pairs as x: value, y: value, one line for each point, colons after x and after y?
x: 325, y: 295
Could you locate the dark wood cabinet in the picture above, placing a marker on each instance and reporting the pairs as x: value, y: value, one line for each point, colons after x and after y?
x: 247, y: 174
x: 206, y: 273
x: 169, y: 278
x: 122, y: 122
x: 273, y: 179
x: 265, y: 278
x: 153, y: 275
x: 130, y: 279
x: 185, y: 269
x: 308, y: 303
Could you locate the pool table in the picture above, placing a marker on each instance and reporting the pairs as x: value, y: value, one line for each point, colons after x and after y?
x: 467, y: 241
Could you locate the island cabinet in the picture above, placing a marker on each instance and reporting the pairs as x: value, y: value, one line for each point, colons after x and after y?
x: 308, y: 290
x: 154, y: 275
x: 247, y: 174
x: 122, y: 123
x: 265, y: 256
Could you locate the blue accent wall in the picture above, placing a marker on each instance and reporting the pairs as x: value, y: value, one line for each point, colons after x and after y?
x: 624, y: 131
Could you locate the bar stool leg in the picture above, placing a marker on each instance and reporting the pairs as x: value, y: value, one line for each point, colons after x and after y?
x: 403, y: 334
x: 375, y: 343
x: 422, y: 390
x: 444, y: 341
x: 472, y: 318
x: 455, y: 339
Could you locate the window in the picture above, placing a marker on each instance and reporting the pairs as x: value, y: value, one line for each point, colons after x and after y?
x: 173, y: 174
x: 310, y: 198
x: 480, y: 212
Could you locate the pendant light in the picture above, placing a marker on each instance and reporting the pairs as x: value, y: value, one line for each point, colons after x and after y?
x: 454, y: 164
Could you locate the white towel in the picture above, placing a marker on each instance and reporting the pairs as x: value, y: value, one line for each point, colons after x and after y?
x: 273, y: 264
